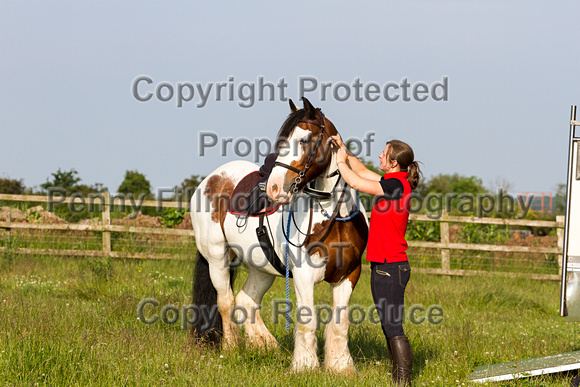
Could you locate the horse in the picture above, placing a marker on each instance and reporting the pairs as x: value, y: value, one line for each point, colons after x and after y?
x: 322, y: 242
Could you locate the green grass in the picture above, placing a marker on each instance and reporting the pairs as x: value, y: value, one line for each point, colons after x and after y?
x: 73, y: 321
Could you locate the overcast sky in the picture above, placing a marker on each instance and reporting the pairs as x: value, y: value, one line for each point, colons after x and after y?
x: 67, y: 70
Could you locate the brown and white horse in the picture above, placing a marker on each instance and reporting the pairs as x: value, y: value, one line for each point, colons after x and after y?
x: 322, y: 240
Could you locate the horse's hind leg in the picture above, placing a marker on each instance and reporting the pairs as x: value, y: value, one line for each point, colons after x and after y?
x: 248, y: 304
x: 219, y: 272
x: 209, y: 206
x: 337, y: 355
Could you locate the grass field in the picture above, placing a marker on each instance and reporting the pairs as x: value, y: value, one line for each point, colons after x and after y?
x: 73, y: 321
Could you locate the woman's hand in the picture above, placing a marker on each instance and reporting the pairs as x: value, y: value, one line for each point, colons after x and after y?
x: 341, y: 154
x: 336, y: 141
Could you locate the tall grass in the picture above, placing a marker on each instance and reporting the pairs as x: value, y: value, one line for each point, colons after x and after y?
x: 73, y: 321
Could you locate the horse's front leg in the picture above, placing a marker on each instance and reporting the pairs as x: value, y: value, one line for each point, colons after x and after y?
x: 337, y: 356
x: 305, y: 347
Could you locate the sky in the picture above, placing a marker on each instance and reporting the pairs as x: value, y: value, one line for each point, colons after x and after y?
x: 69, y: 96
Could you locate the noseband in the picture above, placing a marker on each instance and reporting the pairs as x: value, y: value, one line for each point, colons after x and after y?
x: 311, y: 156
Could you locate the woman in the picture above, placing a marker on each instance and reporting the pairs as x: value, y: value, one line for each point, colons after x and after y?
x: 386, y: 247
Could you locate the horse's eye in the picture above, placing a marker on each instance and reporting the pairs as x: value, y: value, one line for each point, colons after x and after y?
x: 304, y: 141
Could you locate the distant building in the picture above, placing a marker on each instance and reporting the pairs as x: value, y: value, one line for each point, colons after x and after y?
x: 542, y: 202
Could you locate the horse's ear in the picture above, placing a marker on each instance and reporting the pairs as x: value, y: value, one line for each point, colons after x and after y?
x: 293, y: 107
x: 310, y: 109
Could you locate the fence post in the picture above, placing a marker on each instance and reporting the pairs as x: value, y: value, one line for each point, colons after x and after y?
x: 106, y: 223
x: 445, y: 253
x: 560, y: 233
x: 9, y: 221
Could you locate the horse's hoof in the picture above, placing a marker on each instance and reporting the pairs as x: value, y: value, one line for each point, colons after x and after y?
x: 262, y: 344
x: 346, y: 371
x: 230, y: 345
x: 304, y: 366
x: 343, y: 367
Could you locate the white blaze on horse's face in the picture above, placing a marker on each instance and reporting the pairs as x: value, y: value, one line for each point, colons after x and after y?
x: 292, y: 152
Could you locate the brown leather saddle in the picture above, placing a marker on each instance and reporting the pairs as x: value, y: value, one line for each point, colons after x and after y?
x: 249, y: 196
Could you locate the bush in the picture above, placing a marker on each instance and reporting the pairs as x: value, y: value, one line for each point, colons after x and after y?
x: 171, y: 217
x: 11, y: 186
x: 483, y: 233
x: 102, y: 268
x: 423, y: 231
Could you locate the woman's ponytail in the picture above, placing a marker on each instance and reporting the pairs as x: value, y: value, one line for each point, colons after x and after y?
x: 414, y: 174
x: 403, y: 154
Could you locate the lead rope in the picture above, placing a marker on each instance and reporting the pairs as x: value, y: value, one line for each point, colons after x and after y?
x: 288, y: 273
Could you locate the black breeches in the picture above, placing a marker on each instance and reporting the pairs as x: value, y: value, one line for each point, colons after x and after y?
x: 388, y: 283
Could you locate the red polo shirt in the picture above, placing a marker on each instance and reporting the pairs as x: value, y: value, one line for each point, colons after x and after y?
x: 389, y: 219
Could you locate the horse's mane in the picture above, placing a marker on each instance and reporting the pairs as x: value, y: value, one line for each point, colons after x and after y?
x: 291, y: 121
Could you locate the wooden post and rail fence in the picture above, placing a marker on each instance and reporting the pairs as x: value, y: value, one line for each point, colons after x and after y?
x: 445, y: 246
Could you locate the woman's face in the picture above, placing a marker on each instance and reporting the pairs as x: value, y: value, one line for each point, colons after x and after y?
x: 385, y: 164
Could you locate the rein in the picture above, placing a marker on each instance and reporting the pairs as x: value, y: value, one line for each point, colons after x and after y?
x: 332, y: 218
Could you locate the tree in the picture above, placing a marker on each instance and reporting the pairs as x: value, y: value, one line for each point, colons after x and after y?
x: 63, y: 179
x: 455, y: 183
x: 472, y: 185
x: 87, y: 189
x: 371, y: 166
x: 560, y: 200
x: 11, y: 186
x: 501, y: 183
x: 69, y: 181
x: 366, y: 199
x: 188, y: 186
x: 135, y: 183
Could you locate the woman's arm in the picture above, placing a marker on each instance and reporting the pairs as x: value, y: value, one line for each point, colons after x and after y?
x: 361, y: 184
x: 365, y: 180
x: 360, y: 169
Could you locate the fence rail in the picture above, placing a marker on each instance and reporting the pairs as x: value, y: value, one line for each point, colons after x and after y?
x: 105, y: 227
x: 445, y: 246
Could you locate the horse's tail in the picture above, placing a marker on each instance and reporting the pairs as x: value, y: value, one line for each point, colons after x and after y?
x: 208, y: 324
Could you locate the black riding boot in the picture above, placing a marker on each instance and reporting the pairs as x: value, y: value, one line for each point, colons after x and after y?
x: 391, y: 359
x: 402, y: 360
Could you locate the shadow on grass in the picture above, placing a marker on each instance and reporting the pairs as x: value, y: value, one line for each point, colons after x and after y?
x: 368, y: 345
x: 244, y: 355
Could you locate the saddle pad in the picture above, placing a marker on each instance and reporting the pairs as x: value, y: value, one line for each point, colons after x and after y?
x: 248, y: 199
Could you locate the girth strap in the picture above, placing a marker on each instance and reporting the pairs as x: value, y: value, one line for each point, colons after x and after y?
x: 268, y: 249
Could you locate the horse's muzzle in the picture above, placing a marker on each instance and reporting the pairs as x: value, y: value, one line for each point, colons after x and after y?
x: 278, y: 195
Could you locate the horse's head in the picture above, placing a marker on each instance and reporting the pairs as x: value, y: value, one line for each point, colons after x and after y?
x: 303, y: 153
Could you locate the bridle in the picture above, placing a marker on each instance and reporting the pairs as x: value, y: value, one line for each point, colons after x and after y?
x: 310, y: 191
x: 298, y: 180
